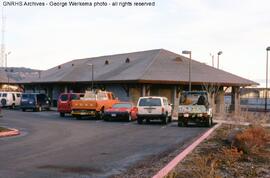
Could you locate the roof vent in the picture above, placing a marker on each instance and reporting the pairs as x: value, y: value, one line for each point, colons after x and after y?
x: 178, y: 59
x: 106, y: 62
x: 59, y: 67
x: 127, y: 60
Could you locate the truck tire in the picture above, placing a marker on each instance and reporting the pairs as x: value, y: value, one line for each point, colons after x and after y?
x: 13, y: 106
x: 139, y: 120
x: 62, y: 114
x: 209, y: 122
x: 38, y: 109
x: 170, y: 118
x: 180, y: 124
x: 165, y: 120
x: 78, y: 117
x: 99, y: 115
x: 23, y: 110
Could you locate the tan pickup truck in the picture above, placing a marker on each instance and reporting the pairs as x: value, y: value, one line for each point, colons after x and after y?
x: 93, y: 104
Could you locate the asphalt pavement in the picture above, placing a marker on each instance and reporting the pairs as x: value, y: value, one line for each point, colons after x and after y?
x: 51, y: 146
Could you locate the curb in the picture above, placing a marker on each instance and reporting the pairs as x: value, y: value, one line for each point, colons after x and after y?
x: 171, y: 165
x: 13, y: 132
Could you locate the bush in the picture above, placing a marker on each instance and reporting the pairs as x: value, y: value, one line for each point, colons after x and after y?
x: 230, y: 156
x: 252, y: 140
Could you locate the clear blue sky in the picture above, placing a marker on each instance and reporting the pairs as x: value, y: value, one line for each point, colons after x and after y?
x: 43, y: 37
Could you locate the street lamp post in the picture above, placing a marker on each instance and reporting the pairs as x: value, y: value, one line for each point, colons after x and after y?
x: 92, y: 69
x: 219, y: 53
x: 6, y: 59
x: 266, y: 81
x: 189, y: 68
x: 213, y: 59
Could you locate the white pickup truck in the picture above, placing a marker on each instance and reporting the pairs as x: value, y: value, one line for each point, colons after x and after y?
x: 154, y: 108
x: 194, y: 107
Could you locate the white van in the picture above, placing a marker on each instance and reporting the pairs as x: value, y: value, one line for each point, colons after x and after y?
x: 10, y: 99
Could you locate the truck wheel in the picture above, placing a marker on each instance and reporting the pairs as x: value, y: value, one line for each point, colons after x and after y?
x: 38, y: 109
x: 99, y: 115
x: 78, y: 117
x: 180, y: 124
x: 170, y: 119
x: 139, y: 120
x: 62, y: 114
x: 23, y: 110
x: 209, y: 122
x: 165, y: 120
x: 13, y: 106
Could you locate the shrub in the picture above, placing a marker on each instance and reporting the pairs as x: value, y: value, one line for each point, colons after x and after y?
x: 252, y: 140
x: 230, y: 156
x: 204, y: 166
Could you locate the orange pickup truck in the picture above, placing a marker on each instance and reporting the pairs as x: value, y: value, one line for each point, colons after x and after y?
x: 93, y: 104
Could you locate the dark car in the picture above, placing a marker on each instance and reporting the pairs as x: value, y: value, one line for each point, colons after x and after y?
x: 35, y: 102
x: 64, y: 102
x: 121, y: 111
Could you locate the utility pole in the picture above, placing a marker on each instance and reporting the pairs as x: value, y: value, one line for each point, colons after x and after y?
x: 266, y: 81
x: 2, y: 60
x: 189, y: 68
x: 218, y: 54
x: 213, y: 59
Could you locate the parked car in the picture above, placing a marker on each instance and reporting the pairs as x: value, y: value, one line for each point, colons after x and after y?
x: 35, y: 102
x: 64, y: 102
x: 10, y: 99
x: 121, y: 111
x: 194, y: 107
x: 154, y: 108
x: 93, y: 104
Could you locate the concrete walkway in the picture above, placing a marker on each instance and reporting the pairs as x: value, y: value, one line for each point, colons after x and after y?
x: 238, y: 123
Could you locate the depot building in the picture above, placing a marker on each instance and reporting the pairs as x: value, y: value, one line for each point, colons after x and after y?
x: 155, y: 72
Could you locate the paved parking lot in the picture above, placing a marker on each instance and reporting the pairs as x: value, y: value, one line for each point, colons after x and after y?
x: 51, y: 146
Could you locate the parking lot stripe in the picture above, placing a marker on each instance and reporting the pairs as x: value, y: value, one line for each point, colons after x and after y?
x: 169, y: 167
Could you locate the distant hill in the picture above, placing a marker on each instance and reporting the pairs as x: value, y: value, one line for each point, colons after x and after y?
x: 16, y: 73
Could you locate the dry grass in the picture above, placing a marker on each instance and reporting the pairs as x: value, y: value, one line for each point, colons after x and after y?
x: 201, y: 167
x: 254, y: 118
x: 252, y: 140
x: 248, y: 156
x: 2, y: 129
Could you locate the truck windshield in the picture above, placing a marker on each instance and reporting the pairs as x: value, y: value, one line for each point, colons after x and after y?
x: 150, y: 102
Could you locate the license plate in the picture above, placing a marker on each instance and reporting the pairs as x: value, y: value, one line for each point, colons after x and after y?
x: 113, y: 115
